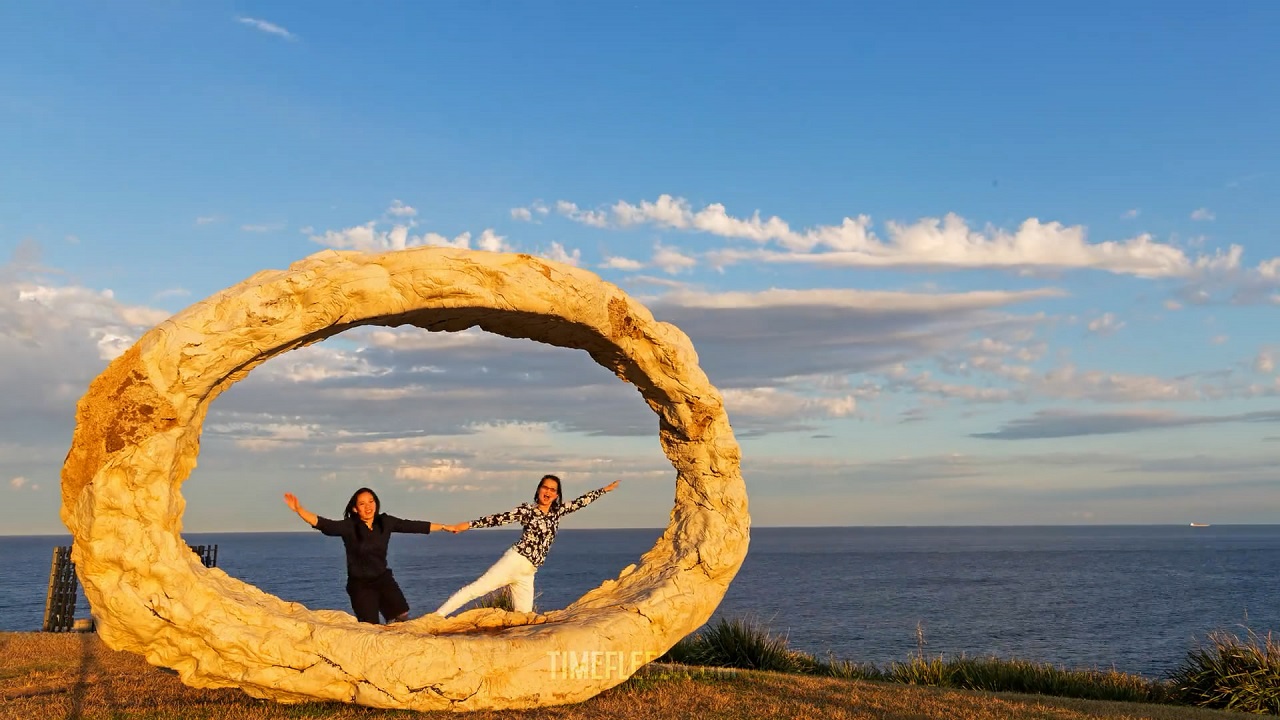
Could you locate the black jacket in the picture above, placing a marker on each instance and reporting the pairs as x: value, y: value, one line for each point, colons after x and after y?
x: 367, y: 548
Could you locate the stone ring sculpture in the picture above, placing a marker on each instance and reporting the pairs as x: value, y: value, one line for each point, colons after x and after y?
x: 137, y: 437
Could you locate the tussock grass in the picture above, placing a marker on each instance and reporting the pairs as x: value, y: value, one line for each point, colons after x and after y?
x: 739, y: 643
x: 1022, y: 676
x: 1232, y: 672
x: 499, y: 599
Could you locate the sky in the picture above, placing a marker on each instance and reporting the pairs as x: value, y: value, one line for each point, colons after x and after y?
x: 986, y: 263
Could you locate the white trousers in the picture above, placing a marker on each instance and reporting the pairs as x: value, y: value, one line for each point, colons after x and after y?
x: 512, y: 569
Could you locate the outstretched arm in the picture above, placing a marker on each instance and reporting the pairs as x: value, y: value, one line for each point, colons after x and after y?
x: 519, y: 514
x: 292, y: 501
x: 587, y: 499
x: 421, y: 527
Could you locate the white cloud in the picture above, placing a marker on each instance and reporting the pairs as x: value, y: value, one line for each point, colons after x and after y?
x: 414, y: 338
x: 266, y: 27
x: 1105, y: 324
x: 989, y: 355
x: 537, y: 207
x: 112, y: 327
x: 1202, y: 214
x: 615, y: 262
x: 512, y: 434
x: 493, y: 242
x: 54, y: 339
x: 318, y: 364
x: 400, y: 210
x: 1068, y: 382
x: 866, y: 300
x: 559, y: 254
x: 18, y: 483
x: 437, y: 475
x: 1172, y: 305
x: 671, y: 260
x: 923, y: 383
x: 946, y: 242
x: 398, y: 446
x: 586, y: 217
x: 774, y: 404
x: 1219, y: 339
x: 368, y: 238
x: 540, y: 209
x: 1265, y: 362
x: 207, y: 219
x: 266, y: 437
x: 1131, y: 213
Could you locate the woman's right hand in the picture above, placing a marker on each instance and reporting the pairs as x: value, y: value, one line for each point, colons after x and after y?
x: 307, y: 516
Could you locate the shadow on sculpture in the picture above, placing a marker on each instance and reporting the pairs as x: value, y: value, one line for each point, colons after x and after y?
x: 137, y: 438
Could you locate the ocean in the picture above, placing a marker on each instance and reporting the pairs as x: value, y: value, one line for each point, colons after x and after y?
x: 1133, y: 598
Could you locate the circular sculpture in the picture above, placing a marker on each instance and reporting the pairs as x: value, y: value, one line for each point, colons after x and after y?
x: 138, y: 433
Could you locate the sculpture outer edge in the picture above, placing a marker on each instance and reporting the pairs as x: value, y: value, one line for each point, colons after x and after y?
x: 137, y: 439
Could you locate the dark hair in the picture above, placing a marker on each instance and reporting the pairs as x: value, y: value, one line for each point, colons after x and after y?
x: 558, y: 502
x: 350, y: 512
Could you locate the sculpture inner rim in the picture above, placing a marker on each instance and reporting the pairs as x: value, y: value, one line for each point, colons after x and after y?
x: 137, y: 438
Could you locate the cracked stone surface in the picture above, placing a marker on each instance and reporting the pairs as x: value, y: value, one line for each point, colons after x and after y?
x: 138, y: 433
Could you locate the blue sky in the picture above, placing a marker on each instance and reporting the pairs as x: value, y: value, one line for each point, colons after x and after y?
x: 948, y: 263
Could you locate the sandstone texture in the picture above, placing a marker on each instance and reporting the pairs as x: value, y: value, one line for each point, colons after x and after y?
x: 137, y: 438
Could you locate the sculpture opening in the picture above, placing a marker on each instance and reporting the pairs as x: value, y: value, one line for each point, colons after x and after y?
x: 137, y: 438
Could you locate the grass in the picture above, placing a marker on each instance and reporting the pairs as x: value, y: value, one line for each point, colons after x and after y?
x: 499, y: 599
x: 77, y: 677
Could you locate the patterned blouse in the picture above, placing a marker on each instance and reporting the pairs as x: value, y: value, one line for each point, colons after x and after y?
x: 539, y: 527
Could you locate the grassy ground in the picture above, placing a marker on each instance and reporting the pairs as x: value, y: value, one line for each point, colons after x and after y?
x: 74, y: 677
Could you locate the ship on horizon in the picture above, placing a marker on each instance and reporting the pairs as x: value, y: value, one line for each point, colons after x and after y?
x: 1199, y: 524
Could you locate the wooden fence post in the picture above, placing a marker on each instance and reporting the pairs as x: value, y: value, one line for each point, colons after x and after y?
x: 60, y: 605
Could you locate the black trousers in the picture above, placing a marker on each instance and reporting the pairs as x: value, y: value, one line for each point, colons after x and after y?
x: 380, y: 594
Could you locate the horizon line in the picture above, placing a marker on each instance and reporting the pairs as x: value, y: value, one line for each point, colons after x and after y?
x: 754, y: 527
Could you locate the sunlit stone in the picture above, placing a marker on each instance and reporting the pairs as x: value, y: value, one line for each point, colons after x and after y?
x: 137, y: 437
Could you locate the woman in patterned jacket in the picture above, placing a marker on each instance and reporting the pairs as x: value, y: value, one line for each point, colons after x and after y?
x: 521, y: 561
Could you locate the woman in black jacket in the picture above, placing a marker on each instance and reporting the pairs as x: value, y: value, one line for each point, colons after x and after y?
x: 366, y: 532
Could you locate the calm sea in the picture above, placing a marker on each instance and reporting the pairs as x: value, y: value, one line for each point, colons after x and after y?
x: 1136, y: 598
